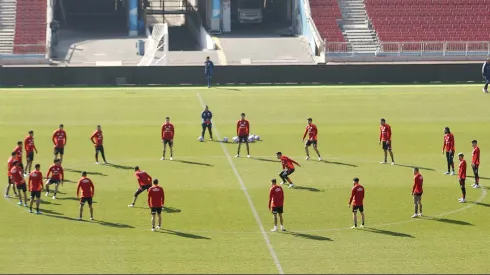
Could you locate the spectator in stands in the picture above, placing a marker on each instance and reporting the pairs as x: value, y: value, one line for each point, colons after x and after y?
x: 485, y: 71
x: 208, y: 70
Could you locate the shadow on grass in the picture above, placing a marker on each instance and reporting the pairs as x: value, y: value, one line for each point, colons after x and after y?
x: 47, y: 211
x: 117, y: 166
x: 311, y: 189
x: 67, y: 180
x: 71, y: 199
x: 338, y: 163
x: 47, y: 202
x: 268, y: 160
x: 308, y: 236
x: 450, y: 221
x: 56, y: 215
x: 388, y: 233
x: 482, y: 204
x: 228, y: 89
x: 194, y: 163
x: 171, y: 210
x: 413, y: 166
x: 184, y: 235
x: 88, y: 172
x: 482, y: 178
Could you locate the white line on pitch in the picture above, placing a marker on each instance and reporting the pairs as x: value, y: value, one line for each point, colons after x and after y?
x: 249, y: 199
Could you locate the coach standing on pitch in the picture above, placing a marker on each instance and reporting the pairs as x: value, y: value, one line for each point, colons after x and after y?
x: 485, y: 71
x: 208, y: 70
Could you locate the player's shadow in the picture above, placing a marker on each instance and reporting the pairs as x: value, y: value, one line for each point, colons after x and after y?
x: 228, y: 89
x: 69, y: 181
x: 415, y: 166
x: 388, y: 233
x: 117, y: 166
x: 482, y: 178
x: 57, y: 215
x: 338, y: 163
x: 47, y: 202
x: 88, y: 172
x: 112, y: 224
x: 194, y: 163
x: 51, y: 212
x: 482, y: 204
x: 171, y: 210
x: 308, y: 236
x: 268, y: 160
x: 450, y: 221
x: 71, y: 199
x: 311, y: 189
x: 184, y: 235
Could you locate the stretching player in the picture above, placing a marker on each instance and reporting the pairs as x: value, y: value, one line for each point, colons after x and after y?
x: 97, y: 139
x: 312, y: 132
x: 449, y: 147
x: 385, y: 140
x: 276, y: 204
x: 10, y: 164
x: 156, y: 201
x: 168, y: 132
x: 18, y: 157
x: 206, y: 123
x: 59, y: 140
x: 19, y: 182
x: 144, y: 181
x: 54, y: 176
x: 462, y: 176
x: 356, y: 199
x: 242, y: 131
x: 475, y: 162
x: 417, y: 191
x: 30, y: 149
x: 288, y: 168
x: 88, y: 192
x: 36, y: 187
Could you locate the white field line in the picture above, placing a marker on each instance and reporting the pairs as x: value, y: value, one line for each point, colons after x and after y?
x: 249, y: 199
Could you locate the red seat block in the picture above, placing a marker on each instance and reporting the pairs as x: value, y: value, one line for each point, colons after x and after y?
x: 30, y: 27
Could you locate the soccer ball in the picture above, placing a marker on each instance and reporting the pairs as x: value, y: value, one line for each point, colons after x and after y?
x: 225, y: 139
x: 235, y: 139
x: 251, y: 138
x: 257, y: 138
x: 201, y: 139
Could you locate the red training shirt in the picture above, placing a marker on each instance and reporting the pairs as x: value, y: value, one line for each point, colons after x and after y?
x: 29, y: 144
x: 87, y: 187
x: 288, y: 163
x: 56, y: 172
x: 418, y: 181
x: 276, y: 196
x: 17, y: 176
x: 475, y: 156
x: 18, y: 157
x: 385, y: 132
x: 143, y: 178
x: 357, y: 195
x: 312, y: 132
x: 168, y: 131
x: 35, y: 181
x: 156, y: 196
x: 10, y: 164
x: 97, y: 138
x: 449, y: 144
x: 242, y: 127
x: 59, y: 138
x: 462, y: 169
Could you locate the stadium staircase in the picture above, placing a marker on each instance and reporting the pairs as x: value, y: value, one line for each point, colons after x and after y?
x: 356, y: 28
x: 30, y: 27
x: 7, y: 25
x: 326, y: 14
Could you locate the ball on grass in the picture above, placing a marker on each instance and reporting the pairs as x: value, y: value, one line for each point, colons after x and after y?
x: 200, y: 139
x: 225, y: 139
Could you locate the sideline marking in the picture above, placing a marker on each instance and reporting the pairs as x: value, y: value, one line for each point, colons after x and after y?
x: 247, y: 195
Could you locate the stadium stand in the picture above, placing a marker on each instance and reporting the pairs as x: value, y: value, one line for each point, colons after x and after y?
x: 7, y: 25
x: 30, y: 27
x: 325, y: 14
x: 430, y: 20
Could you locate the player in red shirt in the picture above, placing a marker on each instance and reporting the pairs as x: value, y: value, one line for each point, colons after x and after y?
x: 385, y: 140
x: 168, y: 132
x: 30, y: 149
x: 18, y: 180
x: 156, y: 201
x: 36, y: 187
x: 449, y: 147
x: 276, y: 204
x: 88, y: 191
x: 462, y: 176
x: 312, y: 132
x: 475, y: 162
x: 144, y: 181
x: 59, y: 140
x: 18, y: 157
x: 10, y: 164
x: 417, y: 191
x: 55, y: 176
x: 356, y: 199
x: 288, y: 168
x: 242, y: 131
x: 97, y: 139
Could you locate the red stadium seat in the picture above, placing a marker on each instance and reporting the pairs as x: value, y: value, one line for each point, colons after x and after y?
x: 30, y: 27
x: 325, y: 14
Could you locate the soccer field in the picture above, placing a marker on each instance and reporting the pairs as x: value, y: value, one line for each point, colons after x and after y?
x: 216, y: 218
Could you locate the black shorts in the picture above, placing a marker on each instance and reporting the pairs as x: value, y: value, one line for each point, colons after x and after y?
x: 156, y: 210
x: 450, y: 157
x: 169, y: 142
x: 386, y: 145
x: 278, y: 210
x: 144, y: 187
x: 358, y: 207
x: 243, y: 138
x: 35, y: 194
x: 53, y: 181
x: 87, y: 200
x: 99, y: 148
x: 287, y: 172
x: 205, y: 125
x: 462, y: 182
x: 21, y: 187
x: 310, y: 142
x: 58, y: 150
x: 30, y: 156
x: 475, y: 168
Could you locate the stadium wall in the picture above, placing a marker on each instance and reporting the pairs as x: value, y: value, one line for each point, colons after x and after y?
x: 239, y: 75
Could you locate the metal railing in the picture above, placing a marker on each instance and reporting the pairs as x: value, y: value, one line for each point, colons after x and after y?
x: 425, y: 48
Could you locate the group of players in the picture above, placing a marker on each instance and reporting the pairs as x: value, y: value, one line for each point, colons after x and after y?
x: 156, y: 196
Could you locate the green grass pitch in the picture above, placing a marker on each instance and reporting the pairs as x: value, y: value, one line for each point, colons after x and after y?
x: 209, y: 224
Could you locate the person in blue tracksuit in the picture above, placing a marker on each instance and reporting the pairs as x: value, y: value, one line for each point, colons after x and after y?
x: 206, y: 116
x: 208, y: 70
x: 485, y: 71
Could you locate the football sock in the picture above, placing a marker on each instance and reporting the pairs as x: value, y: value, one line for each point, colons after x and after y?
x: 463, y: 189
x: 416, y: 209
x: 420, y: 208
